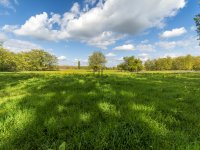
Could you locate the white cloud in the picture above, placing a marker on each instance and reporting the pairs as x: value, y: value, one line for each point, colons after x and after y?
x: 167, y: 45
x: 91, y: 2
x: 146, y: 47
x: 189, y: 44
x: 18, y: 45
x: 110, y: 55
x: 7, y: 4
x: 62, y: 58
x: 139, y: 47
x: 174, y: 44
x: 144, y: 57
x: 107, y: 16
x: 128, y: 47
x: 75, y: 8
x: 172, y: 55
x: 9, y: 28
x: 103, y: 40
x: 174, y: 33
x: 3, y: 37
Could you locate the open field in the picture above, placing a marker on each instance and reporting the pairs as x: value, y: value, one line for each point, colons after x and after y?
x: 41, y: 110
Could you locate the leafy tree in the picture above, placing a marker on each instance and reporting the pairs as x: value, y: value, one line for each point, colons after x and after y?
x: 197, y: 21
x: 7, y: 60
x: 196, y: 65
x: 34, y: 60
x: 121, y: 66
x: 97, y: 61
x: 131, y: 64
x: 39, y: 60
x: 79, y: 65
x: 163, y: 63
x: 150, y: 65
x: 189, y: 61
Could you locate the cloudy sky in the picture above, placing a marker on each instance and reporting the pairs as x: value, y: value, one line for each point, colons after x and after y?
x: 73, y: 29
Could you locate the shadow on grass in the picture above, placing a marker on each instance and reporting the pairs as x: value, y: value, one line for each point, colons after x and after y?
x: 111, y: 112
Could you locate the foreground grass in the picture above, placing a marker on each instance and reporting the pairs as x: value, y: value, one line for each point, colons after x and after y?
x: 126, y: 111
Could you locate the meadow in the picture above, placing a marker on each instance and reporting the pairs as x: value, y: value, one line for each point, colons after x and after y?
x: 41, y: 110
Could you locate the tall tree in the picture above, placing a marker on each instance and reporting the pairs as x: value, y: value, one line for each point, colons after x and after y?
x: 79, y: 64
x: 197, y: 21
x: 97, y: 62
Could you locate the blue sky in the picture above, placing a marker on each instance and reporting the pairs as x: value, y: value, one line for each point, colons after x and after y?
x: 72, y: 30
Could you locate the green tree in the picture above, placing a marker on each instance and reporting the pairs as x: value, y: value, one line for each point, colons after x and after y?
x: 131, y: 64
x: 7, y: 60
x: 163, y: 63
x: 197, y: 22
x: 79, y: 64
x: 150, y: 65
x: 189, y: 62
x: 39, y: 60
x: 196, y: 65
x: 97, y: 62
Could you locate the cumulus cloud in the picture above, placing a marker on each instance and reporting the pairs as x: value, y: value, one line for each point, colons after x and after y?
x: 103, y: 40
x: 139, y: 47
x: 9, y: 28
x: 173, y: 44
x: 110, y: 55
x: 18, y: 45
x: 106, y: 16
x: 62, y: 58
x: 127, y: 47
x: 188, y: 44
x: 174, y: 33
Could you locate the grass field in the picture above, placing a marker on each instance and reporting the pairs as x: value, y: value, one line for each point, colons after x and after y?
x: 115, y: 111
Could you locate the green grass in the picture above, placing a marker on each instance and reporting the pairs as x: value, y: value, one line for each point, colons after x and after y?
x: 116, y: 111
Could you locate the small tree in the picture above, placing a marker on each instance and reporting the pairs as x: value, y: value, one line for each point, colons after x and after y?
x: 79, y: 64
x: 97, y: 62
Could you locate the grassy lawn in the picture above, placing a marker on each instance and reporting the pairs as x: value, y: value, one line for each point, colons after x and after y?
x: 116, y: 111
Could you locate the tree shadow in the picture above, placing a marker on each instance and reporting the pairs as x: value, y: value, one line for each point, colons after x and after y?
x: 109, y: 112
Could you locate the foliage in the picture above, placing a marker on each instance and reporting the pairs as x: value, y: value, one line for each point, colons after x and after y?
x: 131, y: 64
x: 179, y: 63
x: 130, y: 111
x: 35, y: 60
x: 197, y: 21
x: 79, y: 65
x: 97, y: 61
x: 7, y: 60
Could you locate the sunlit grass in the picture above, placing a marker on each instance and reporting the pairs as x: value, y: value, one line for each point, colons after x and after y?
x: 120, y: 110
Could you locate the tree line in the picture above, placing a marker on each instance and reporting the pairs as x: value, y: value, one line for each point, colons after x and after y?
x: 34, y: 60
x: 179, y: 63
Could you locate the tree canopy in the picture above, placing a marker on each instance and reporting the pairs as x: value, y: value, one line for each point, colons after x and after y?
x: 197, y: 21
x: 97, y: 61
x: 179, y: 63
x: 34, y: 60
x: 131, y: 64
